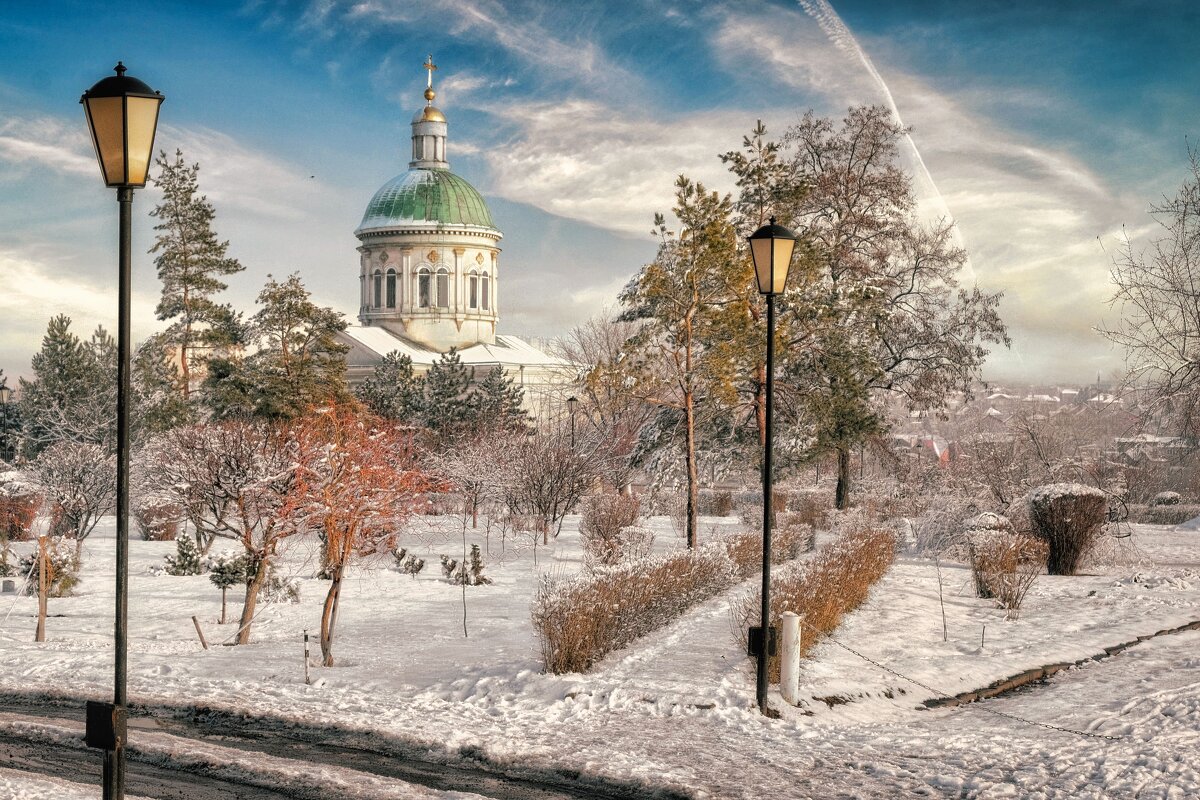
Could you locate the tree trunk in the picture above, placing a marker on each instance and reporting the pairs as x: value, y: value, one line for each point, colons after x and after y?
x: 43, y: 590
x: 260, y: 575
x: 222, y: 622
x: 843, y: 478
x: 760, y: 406
x: 693, y: 477
x: 329, y: 617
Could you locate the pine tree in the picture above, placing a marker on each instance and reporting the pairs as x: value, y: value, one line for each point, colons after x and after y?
x: 10, y: 426
x: 394, y: 391
x: 477, y: 578
x: 496, y: 404
x: 191, y: 262
x: 299, y: 362
x: 226, y: 570
x: 186, y: 560
x: 447, y: 396
x: 159, y: 401
x: 72, y: 396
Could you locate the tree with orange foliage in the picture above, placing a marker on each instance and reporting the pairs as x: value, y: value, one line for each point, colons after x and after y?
x: 357, y: 481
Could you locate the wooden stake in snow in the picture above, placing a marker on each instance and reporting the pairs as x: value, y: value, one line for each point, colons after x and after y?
x: 789, y: 664
x: 43, y: 589
x: 199, y: 633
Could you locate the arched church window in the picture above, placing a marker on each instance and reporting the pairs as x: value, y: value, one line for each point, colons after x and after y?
x: 487, y: 282
x: 391, y: 288
x: 423, y: 287
x: 443, y: 288
x: 378, y: 289
x: 473, y: 290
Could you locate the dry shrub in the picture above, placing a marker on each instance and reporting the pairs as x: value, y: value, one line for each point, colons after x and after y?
x: 581, y: 619
x: 942, y: 526
x: 17, y: 513
x: 788, y: 540
x: 1005, y: 565
x: 604, y: 517
x: 158, y: 522
x: 1069, y: 517
x: 810, y: 507
x: 824, y: 589
x: 715, y: 503
x: 1172, y: 514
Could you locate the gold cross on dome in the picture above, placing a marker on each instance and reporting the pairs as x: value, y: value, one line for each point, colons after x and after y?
x: 429, y: 65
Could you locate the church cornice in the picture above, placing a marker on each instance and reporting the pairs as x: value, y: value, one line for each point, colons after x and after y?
x: 467, y: 230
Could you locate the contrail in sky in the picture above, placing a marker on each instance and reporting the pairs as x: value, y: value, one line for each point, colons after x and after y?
x: 844, y: 40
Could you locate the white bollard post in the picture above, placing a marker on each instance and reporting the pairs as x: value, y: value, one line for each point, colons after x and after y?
x: 789, y: 658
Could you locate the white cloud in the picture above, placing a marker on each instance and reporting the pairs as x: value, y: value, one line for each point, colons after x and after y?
x: 34, y: 142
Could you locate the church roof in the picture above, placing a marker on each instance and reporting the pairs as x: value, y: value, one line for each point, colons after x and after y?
x: 508, y: 351
x: 426, y: 196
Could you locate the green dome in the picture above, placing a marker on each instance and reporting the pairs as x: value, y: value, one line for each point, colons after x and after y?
x: 423, y: 196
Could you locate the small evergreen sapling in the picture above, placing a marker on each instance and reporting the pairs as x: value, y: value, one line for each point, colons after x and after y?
x: 413, y: 565
x: 186, y: 560
x: 477, y: 578
x: 448, y: 567
x: 226, y: 570
x: 400, y: 554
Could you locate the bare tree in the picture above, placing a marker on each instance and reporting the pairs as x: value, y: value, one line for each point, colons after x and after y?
x: 1158, y: 293
x: 547, y: 476
x: 80, y: 481
x: 357, y: 482
x: 232, y: 479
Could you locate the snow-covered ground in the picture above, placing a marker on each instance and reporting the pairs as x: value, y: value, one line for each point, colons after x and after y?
x: 676, y: 710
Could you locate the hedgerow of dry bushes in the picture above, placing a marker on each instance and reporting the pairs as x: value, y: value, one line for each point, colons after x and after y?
x: 822, y: 590
x: 581, y: 619
x: 1069, y: 517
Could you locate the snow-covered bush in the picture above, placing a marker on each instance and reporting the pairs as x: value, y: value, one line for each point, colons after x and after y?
x: 581, y: 619
x: 1166, y: 499
x: 715, y: 503
x: 942, y: 526
x: 19, y: 504
x: 1172, y: 514
x: 400, y: 555
x: 825, y: 588
x: 276, y: 589
x: 62, y: 572
x: 1069, y: 517
x: 604, y: 517
x: 187, y: 559
x: 788, y: 541
x: 448, y: 567
x: 80, y: 484
x: 1005, y: 565
x: 412, y: 566
x: 158, y: 522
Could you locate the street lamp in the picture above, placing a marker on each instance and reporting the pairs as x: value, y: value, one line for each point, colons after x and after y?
x: 771, y: 247
x: 5, y: 396
x: 122, y: 117
x: 572, y: 404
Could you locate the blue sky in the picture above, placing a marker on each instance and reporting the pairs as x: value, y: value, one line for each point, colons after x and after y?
x: 1043, y: 130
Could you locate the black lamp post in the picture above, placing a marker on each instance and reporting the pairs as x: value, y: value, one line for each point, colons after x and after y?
x: 122, y: 117
x: 572, y: 404
x: 771, y: 247
x: 5, y: 396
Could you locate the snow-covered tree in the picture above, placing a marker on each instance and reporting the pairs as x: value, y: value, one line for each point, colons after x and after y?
x: 187, y: 559
x: 356, y: 483
x: 226, y: 570
x: 233, y: 479
x: 79, y: 481
x: 394, y: 391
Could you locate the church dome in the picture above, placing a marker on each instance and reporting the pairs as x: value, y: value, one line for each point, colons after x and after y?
x: 425, y: 196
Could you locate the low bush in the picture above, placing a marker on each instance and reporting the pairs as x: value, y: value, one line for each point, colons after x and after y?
x: 158, y: 522
x: 834, y: 582
x: 17, y: 512
x: 1069, y: 517
x: 1166, y: 499
x: 604, y: 517
x: 788, y: 540
x: 1171, y: 514
x: 187, y: 559
x: 715, y: 502
x: 62, y: 573
x: 277, y: 589
x: 581, y: 619
x: 1005, y: 566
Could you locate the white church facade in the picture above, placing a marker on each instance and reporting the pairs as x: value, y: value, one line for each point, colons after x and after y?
x: 429, y: 275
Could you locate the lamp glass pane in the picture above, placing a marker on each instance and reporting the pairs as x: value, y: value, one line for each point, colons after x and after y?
x: 783, y: 259
x: 143, y: 118
x: 105, y: 119
x: 761, y: 252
